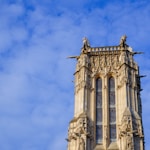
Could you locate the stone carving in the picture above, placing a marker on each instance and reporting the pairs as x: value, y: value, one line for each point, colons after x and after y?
x: 105, y: 63
x: 123, y: 41
x: 126, y: 127
x: 138, y: 128
x: 122, y: 78
x: 130, y: 129
x: 81, y: 144
x: 86, y: 43
x: 122, y: 57
x: 80, y: 131
x: 83, y: 60
x: 126, y: 133
x: 71, y: 135
x: 128, y: 124
x: 128, y: 141
x: 83, y: 126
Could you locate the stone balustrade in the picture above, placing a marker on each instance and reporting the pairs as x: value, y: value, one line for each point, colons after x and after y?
x: 108, y: 48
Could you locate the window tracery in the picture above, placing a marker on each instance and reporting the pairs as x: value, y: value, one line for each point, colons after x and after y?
x: 112, y: 109
x: 99, y: 130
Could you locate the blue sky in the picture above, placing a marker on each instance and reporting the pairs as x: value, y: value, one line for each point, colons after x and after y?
x: 36, y: 88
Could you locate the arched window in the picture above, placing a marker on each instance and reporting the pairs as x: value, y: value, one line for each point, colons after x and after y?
x: 99, y: 130
x: 112, y: 109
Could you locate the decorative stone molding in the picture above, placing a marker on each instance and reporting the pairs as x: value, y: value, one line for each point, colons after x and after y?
x: 80, y: 130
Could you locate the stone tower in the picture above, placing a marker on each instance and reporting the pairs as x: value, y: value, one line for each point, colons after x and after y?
x: 107, y: 112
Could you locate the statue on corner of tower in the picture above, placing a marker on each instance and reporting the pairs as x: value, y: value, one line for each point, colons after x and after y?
x: 123, y: 41
x: 86, y: 43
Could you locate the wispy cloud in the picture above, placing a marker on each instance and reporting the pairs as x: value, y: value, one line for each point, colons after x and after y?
x: 36, y: 89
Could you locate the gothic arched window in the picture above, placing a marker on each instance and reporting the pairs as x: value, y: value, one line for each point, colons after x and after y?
x: 99, y: 130
x: 112, y: 109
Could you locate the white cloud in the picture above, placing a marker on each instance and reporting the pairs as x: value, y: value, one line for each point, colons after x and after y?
x: 36, y: 92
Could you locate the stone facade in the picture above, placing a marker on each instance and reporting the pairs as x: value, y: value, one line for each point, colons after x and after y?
x: 106, y: 62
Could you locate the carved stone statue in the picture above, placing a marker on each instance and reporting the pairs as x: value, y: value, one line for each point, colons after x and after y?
x: 123, y: 40
x: 128, y: 124
x: 86, y: 43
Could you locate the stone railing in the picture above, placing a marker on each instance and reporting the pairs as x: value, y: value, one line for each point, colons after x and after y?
x: 108, y: 48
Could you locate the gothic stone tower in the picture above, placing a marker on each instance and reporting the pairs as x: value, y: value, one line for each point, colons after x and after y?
x: 107, y: 113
